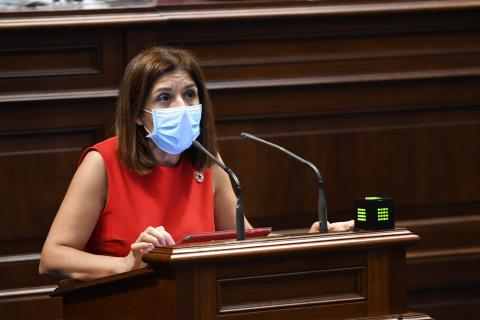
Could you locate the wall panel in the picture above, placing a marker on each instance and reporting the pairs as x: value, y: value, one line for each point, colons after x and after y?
x: 59, y: 60
x: 355, y: 161
x: 40, y: 144
x: 32, y: 195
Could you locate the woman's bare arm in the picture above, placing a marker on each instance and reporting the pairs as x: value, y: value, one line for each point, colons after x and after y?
x: 75, y: 220
x: 63, y: 253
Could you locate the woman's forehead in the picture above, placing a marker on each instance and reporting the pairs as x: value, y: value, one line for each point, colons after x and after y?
x: 174, y: 78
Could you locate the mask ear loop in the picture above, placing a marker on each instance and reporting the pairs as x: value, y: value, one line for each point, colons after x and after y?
x: 149, y: 133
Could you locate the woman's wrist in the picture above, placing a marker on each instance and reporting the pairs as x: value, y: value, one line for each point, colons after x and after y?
x: 130, y: 262
x: 119, y: 265
x: 123, y: 264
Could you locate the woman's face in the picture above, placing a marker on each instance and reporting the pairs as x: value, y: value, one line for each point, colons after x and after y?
x: 171, y: 90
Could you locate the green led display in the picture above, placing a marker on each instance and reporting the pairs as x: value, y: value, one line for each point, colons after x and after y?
x: 382, y: 214
x: 362, y: 214
x: 373, y: 198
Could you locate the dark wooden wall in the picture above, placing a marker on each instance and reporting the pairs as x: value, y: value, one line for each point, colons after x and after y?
x: 382, y: 96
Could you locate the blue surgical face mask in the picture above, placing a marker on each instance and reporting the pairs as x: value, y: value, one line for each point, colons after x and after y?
x: 174, y: 129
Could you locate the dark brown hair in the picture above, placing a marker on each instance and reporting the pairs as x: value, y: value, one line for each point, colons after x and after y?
x: 140, y: 75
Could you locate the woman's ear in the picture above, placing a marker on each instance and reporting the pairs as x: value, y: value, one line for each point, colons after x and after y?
x: 139, y: 121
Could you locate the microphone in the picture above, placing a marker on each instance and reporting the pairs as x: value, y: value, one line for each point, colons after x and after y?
x: 240, y: 216
x: 322, y: 204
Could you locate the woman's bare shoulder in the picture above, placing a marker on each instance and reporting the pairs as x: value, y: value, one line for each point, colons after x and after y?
x: 91, y: 175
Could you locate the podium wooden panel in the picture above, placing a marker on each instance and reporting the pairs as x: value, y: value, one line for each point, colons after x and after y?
x: 313, y: 276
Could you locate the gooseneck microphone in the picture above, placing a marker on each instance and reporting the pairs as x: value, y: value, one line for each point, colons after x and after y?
x: 322, y: 204
x: 240, y: 216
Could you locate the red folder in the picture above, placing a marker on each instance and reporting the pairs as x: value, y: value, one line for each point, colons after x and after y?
x: 225, y: 234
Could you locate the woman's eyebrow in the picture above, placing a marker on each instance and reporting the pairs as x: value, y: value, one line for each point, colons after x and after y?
x: 191, y: 85
x: 162, y: 88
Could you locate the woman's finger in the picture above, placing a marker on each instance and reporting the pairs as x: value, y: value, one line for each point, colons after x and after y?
x: 141, y: 247
x: 169, y: 239
x: 148, y: 237
x: 315, y: 227
x: 348, y: 225
x: 335, y: 227
x: 341, y: 226
x: 162, y: 235
x: 158, y: 233
x: 156, y: 236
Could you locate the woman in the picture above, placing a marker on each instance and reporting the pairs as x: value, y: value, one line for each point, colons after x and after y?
x: 147, y: 186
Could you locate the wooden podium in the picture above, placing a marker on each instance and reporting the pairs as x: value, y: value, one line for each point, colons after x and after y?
x: 349, y: 275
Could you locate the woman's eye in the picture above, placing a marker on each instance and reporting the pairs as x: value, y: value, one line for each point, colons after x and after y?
x: 164, y: 97
x: 190, y: 94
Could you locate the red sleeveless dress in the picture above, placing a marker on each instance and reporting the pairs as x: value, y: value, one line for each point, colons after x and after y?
x: 169, y: 196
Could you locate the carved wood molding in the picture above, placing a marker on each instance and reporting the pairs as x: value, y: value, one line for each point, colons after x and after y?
x: 79, y: 19
x: 279, y: 245
x: 20, y: 258
x: 69, y: 285
x: 353, y: 289
x: 24, y: 292
x: 58, y: 95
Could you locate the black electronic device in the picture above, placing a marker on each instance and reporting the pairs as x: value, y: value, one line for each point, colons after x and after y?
x: 374, y: 213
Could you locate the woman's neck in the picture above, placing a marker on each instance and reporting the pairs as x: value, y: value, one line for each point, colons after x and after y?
x: 163, y: 158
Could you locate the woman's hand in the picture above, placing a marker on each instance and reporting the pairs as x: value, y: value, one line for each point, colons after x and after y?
x: 334, y: 227
x: 146, y: 241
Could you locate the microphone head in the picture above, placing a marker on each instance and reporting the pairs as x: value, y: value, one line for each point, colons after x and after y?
x: 196, y: 144
x: 249, y: 136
